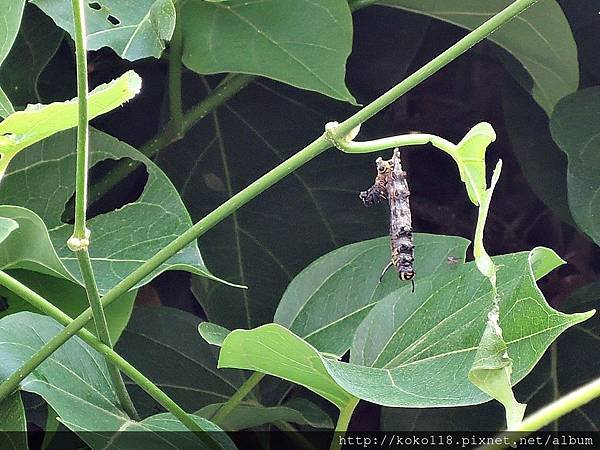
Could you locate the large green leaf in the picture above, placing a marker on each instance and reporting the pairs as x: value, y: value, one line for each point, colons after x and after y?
x: 24, y: 128
x: 571, y: 361
x: 163, y: 343
x: 69, y: 297
x: 134, y: 30
x: 299, y: 42
x: 275, y: 350
x: 575, y: 128
x: 416, y: 349
x: 540, y: 38
x: 529, y: 132
x: 13, y: 423
x: 327, y: 301
x: 74, y: 381
x: 43, y: 177
x: 37, y: 42
x: 424, y: 344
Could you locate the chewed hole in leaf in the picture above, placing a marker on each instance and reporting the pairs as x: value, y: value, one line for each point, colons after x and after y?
x: 95, y: 5
x: 113, y: 20
x: 126, y: 192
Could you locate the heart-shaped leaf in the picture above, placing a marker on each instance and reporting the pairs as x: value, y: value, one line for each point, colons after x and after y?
x: 24, y: 128
x: 575, y: 129
x: 74, y: 381
x: 134, y: 30
x: 123, y: 239
x: 540, y: 38
x: 327, y: 301
x: 299, y: 42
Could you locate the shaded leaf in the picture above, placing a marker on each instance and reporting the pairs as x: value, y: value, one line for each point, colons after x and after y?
x: 327, y: 301
x: 298, y: 411
x: 529, y: 132
x: 13, y: 423
x: 37, y: 42
x: 24, y: 128
x: 540, y: 38
x: 575, y: 129
x: 299, y: 42
x: 312, y: 211
x: 70, y: 298
x: 74, y: 381
x: 134, y: 30
x: 123, y: 239
x: 6, y: 107
x: 163, y: 343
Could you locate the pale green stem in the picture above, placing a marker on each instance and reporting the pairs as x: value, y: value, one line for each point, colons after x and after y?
x: 80, y: 233
x: 244, y: 196
x: 236, y: 398
x: 376, y: 145
x: 341, y: 426
x: 43, y: 305
x: 89, y: 281
x: 550, y: 413
x: 175, y: 101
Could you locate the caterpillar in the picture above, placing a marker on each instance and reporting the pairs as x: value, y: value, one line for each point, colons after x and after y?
x: 390, y: 183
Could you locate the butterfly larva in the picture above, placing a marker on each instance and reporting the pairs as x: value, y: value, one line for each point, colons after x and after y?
x: 390, y: 183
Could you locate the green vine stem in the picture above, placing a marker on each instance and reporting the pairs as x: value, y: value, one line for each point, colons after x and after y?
x: 80, y: 232
x: 227, y: 208
x: 85, y: 264
x: 79, y: 242
x: 349, y: 146
x: 341, y: 426
x: 550, y: 413
x: 236, y: 398
x: 43, y: 305
x: 176, y: 47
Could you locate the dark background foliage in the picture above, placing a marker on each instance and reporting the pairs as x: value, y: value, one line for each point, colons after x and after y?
x: 317, y: 209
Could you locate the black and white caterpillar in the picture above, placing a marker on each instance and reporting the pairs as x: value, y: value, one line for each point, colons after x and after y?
x: 390, y: 183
